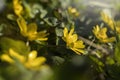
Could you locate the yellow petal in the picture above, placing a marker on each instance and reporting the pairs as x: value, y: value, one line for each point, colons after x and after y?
x: 96, y: 29
x: 42, y: 39
x: 41, y: 36
x: 35, y: 63
x: 112, y: 39
x: 32, y: 55
x: 71, y: 38
x: 42, y: 33
x: 38, y: 61
x: 103, y: 30
x: 117, y: 23
x: 65, y: 31
x: 22, y: 25
x: 71, y: 31
x: 78, y: 51
x: 7, y: 58
x: 74, y: 38
x: 32, y: 33
x: 79, y: 44
x: 102, y: 33
x: 16, y: 55
x: 17, y: 7
x: 118, y: 29
x: 31, y: 36
x: 107, y: 20
x: 32, y: 28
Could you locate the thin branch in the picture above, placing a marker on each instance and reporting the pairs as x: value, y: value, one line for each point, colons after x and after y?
x: 99, y: 47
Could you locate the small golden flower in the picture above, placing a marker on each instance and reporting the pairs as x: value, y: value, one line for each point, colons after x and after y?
x: 72, y: 41
x: 100, y: 34
x: 73, y: 11
x: 17, y: 7
x: 30, y: 30
x: 31, y: 61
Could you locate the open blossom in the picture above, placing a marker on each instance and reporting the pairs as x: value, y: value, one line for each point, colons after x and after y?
x: 31, y: 61
x: 100, y: 34
x: 30, y: 30
x: 72, y: 41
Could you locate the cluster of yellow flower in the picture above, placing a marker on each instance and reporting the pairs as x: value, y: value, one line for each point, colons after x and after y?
x: 72, y: 41
x: 31, y: 61
x: 30, y: 30
x: 100, y: 33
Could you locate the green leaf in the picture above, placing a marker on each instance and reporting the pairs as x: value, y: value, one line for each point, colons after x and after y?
x: 57, y: 60
x: 1, y: 78
x: 16, y: 45
x: 98, y: 62
x: 57, y: 14
x: 110, y: 60
x: 117, y: 53
x: 113, y: 72
x: 59, y: 32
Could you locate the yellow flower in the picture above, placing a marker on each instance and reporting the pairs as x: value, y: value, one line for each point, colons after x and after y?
x: 73, y: 11
x: 69, y: 37
x: 100, y: 34
x: 17, y: 7
x: 31, y: 61
x: 30, y: 30
x: 114, y: 25
x: 34, y: 62
x: 72, y: 41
